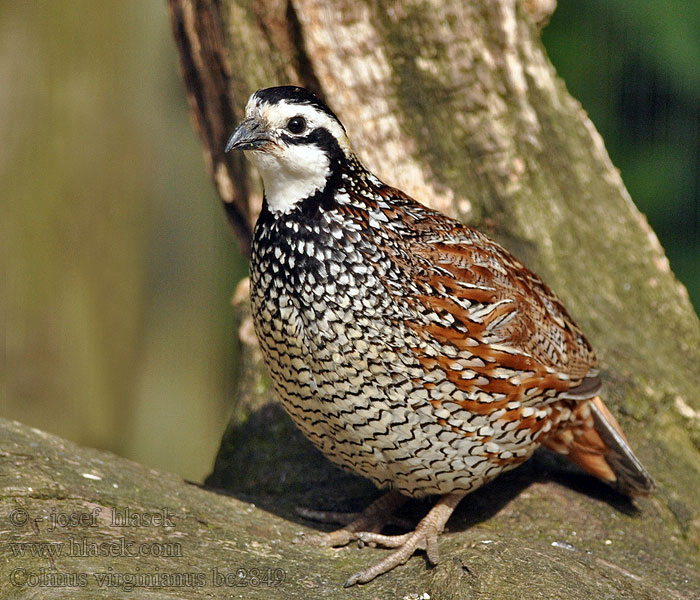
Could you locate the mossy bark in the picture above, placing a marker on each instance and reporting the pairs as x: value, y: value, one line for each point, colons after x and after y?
x: 456, y: 103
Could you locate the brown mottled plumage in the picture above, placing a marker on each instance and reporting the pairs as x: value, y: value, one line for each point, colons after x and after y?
x: 407, y: 346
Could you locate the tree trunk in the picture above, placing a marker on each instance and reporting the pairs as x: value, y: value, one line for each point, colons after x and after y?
x: 456, y: 103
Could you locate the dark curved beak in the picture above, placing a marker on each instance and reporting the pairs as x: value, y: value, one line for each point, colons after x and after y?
x: 249, y: 135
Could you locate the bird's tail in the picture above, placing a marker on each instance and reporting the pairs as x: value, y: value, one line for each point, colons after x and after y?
x: 598, y: 445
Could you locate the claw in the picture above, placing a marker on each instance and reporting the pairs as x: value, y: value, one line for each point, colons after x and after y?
x: 431, y: 547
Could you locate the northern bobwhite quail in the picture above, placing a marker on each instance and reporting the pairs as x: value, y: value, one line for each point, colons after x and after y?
x: 407, y: 346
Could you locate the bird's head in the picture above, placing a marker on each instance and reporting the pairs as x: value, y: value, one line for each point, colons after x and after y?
x: 294, y: 140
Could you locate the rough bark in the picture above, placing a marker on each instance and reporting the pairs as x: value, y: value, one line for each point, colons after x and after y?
x: 456, y: 103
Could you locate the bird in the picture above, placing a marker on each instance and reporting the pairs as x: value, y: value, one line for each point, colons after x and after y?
x: 407, y: 346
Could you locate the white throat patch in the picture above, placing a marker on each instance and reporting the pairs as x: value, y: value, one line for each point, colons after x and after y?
x: 292, y: 172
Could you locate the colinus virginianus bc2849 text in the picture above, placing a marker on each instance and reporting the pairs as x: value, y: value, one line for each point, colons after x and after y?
x: 408, y: 347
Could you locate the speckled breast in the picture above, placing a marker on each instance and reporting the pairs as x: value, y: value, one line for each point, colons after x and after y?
x: 332, y: 324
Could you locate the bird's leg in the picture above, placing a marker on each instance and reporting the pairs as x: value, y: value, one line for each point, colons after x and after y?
x: 423, y: 537
x: 371, y: 520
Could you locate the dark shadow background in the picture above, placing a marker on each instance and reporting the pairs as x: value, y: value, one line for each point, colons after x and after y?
x: 118, y: 261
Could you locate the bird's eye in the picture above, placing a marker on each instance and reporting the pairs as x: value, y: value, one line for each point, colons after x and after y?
x: 296, y: 125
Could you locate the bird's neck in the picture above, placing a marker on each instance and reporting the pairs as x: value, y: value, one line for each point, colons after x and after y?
x: 288, y: 185
x: 290, y: 190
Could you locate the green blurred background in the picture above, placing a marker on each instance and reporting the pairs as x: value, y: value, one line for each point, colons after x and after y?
x: 118, y: 262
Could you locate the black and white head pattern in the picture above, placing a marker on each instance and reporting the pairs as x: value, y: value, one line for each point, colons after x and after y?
x: 304, y: 140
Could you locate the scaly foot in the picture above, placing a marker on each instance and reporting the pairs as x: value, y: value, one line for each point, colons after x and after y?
x: 423, y: 537
x: 371, y: 520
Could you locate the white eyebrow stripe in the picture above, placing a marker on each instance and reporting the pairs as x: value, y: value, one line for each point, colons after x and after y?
x: 277, y: 115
